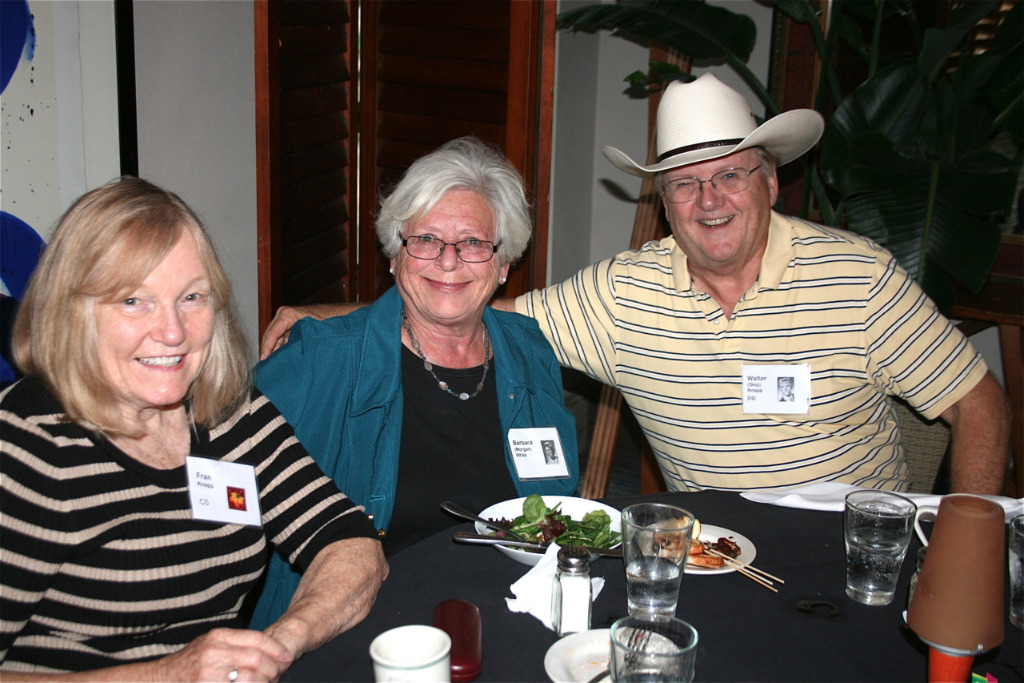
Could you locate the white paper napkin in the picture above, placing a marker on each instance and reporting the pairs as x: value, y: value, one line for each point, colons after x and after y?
x: 533, y: 589
x: 832, y: 496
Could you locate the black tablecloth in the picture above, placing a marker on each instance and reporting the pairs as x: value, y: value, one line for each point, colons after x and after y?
x: 747, y: 633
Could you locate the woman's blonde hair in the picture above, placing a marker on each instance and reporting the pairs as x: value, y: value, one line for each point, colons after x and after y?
x: 104, y: 247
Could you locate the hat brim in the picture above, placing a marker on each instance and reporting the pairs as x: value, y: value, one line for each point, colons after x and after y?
x: 787, y: 136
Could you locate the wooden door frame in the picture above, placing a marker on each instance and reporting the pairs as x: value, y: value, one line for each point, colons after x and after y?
x: 268, y: 187
x: 531, y: 118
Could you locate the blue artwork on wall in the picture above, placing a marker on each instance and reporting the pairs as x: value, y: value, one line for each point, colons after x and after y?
x: 20, y: 245
x: 17, y: 35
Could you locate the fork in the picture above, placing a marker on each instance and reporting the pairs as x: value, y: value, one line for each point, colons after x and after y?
x: 459, y: 511
x: 637, y: 640
x: 636, y: 644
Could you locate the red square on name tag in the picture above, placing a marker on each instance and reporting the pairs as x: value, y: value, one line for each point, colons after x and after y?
x: 236, y: 498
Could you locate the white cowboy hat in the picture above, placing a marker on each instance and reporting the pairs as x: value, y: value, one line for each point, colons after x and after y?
x: 706, y: 119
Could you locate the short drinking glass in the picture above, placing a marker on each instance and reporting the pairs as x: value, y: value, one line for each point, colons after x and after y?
x: 1016, y: 548
x: 877, y: 526
x: 651, y: 648
x: 655, y: 544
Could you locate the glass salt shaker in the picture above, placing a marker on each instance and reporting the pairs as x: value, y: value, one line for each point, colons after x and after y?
x: 571, y: 596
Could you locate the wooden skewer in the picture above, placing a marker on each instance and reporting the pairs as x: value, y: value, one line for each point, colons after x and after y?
x: 742, y: 569
x: 738, y: 564
x: 755, y: 577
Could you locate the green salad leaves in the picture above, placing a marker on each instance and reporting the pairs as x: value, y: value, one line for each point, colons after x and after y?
x: 542, y: 524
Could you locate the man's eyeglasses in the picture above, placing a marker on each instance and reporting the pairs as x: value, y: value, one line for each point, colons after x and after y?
x: 429, y: 248
x: 729, y: 181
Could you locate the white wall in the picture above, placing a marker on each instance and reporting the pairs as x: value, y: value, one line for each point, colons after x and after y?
x: 194, y: 66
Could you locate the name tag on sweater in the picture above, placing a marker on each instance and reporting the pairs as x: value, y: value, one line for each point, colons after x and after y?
x: 223, y: 491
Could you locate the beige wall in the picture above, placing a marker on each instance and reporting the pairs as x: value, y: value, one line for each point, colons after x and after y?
x: 197, y: 133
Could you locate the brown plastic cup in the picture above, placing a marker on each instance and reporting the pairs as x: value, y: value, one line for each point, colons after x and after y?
x: 957, y: 605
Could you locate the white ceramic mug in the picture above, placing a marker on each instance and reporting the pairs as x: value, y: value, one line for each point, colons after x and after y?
x: 924, y: 512
x: 412, y: 653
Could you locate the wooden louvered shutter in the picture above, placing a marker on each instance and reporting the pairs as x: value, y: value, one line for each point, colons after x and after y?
x: 306, y: 181
x: 441, y: 69
x: 429, y: 71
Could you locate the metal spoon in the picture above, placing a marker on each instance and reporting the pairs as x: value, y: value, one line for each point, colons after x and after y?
x: 458, y: 511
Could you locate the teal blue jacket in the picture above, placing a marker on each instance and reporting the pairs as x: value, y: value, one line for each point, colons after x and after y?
x: 339, y: 383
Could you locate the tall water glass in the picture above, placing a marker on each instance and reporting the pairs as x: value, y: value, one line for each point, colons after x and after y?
x: 877, y: 529
x: 655, y: 544
x: 1016, y: 554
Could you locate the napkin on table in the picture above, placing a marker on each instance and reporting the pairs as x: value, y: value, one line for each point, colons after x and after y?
x: 533, y: 589
x: 832, y: 496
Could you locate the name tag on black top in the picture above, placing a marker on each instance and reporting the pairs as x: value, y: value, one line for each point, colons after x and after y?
x: 537, y: 453
x: 223, y: 491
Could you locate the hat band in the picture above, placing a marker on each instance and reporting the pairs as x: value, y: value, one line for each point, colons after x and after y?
x: 702, y: 145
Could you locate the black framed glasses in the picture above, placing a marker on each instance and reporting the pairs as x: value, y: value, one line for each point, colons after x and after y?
x: 687, y: 189
x: 428, y: 248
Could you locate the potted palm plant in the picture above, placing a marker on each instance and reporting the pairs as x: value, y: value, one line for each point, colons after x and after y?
x: 923, y: 155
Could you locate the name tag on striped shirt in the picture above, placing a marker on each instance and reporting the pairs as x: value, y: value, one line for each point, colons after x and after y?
x: 777, y: 389
x: 223, y: 491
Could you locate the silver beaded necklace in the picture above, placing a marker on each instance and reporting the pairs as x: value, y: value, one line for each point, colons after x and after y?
x: 429, y: 367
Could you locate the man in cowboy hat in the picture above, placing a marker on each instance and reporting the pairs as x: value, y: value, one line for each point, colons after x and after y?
x: 697, y: 329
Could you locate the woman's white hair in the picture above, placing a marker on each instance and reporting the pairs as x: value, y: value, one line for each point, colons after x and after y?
x: 462, y: 164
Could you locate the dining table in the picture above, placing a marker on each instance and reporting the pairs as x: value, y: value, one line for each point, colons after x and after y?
x: 809, y: 630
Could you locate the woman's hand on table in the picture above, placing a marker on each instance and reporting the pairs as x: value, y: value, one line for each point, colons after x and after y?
x: 210, y: 657
x: 214, y: 655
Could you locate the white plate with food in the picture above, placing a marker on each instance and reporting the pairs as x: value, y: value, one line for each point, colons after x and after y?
x: 710, y: 534
x: 575, y: 508
x: 578, y: 657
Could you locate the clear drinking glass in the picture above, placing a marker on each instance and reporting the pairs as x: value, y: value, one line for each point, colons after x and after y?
x: 1016, y: 560
x: 652, y: 648
x: 877, y: 528
x: 655, y: 544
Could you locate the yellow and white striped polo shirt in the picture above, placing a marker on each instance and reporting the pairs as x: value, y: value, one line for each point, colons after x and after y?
x: 824, y: 297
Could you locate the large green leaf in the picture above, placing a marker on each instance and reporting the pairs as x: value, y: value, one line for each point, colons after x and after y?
x: 696, y: 29
x: 930, y: 213
x: 892, y: 102
x: 939, y: 43
x: 957, y: 119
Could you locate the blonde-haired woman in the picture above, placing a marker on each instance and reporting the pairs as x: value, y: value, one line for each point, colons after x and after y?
x: 136, y: 412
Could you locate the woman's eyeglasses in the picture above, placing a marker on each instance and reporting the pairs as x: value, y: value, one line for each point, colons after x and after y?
x: 429, y: 248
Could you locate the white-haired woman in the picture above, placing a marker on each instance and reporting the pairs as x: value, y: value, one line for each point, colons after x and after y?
x: 142, y: 480
x: 413, y: 400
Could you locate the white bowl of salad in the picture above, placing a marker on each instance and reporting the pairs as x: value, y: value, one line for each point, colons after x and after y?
x: 585, y: 522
